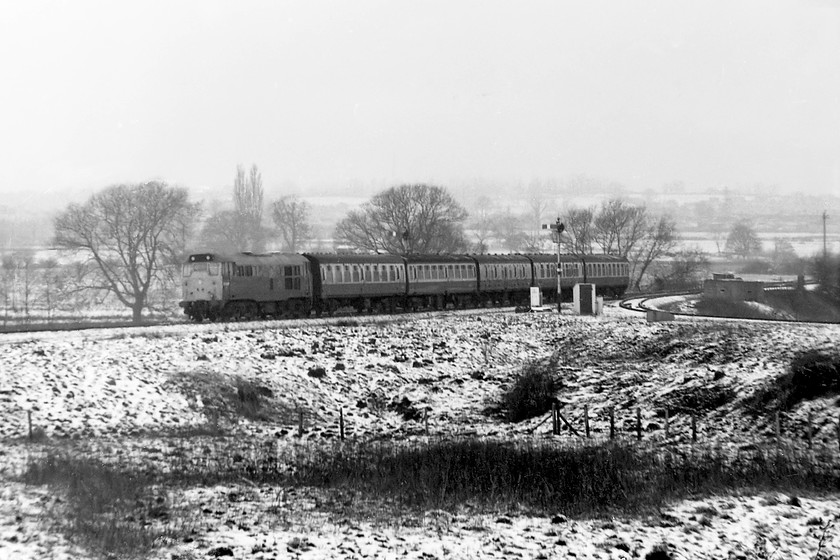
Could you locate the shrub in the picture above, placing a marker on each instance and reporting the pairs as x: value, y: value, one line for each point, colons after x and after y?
x: 533, y: 392
x: 249, y: 401
x: 812, y: 374
x: 756, y: 266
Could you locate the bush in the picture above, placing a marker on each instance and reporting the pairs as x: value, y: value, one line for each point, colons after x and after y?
x: 249, y: 402
x: 813, y: 374
x: 533, y: 391
x: 756, y: 266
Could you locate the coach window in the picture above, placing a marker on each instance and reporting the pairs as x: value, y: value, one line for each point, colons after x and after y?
x: 357, y: 274
x: 376, y: 274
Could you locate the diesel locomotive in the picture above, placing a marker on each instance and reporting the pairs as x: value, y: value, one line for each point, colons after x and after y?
x: 218, y: 286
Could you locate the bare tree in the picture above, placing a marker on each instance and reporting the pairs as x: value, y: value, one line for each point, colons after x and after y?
x: 619, y: 226
x: 222, y: 233
x: 579, y: 233
x: 482, y: 224
x: 535, y: 239
x: 660, y: 238
x: 50, y: 285
x: 130, y: 233
x: 743, y: 241
x: 7, y: 285
x: 25, y: 267
x: 291, y: 216
x: 785, y: 259
x: 507, y: 227
x: 685, y: 271
x: 248, y: 205
x: 407, y: 219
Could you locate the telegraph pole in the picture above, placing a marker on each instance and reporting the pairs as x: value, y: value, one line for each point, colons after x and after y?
x: 825, y: 243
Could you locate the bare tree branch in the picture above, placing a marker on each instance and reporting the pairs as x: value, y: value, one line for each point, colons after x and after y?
x: 130, y: 232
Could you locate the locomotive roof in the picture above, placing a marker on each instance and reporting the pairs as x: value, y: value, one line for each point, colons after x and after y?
x: 350, y: 258
x: 262, y: 259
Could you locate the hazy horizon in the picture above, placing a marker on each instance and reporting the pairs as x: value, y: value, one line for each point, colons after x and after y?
x: 712, y: 94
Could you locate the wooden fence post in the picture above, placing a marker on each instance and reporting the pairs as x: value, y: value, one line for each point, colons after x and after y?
x: 693, y: 428
x: 778, y: 429
x: 341, y: 422
x: 586, y: 419
x: 300, y: 422
x: 667, y: 426
x: 29, y: 422
x: 639, y: 423
x: 555, y: 428
x: 810, y: 430
x: 612, y: 423
x: 567, y: 423
x: 426, y: 421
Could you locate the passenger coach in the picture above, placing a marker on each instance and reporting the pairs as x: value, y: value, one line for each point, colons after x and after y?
x: 363, y: 282
x: 436, y: 281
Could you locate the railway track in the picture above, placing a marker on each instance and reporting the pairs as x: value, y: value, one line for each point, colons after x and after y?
x: 641, y: 304
x: 166, y: 328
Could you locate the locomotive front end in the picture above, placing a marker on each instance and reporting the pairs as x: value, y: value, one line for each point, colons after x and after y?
x: 202, y: 287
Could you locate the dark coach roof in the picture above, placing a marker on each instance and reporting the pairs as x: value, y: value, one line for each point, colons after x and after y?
x: 349, y: 258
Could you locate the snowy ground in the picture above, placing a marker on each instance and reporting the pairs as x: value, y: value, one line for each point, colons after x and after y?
x: 138, y: 395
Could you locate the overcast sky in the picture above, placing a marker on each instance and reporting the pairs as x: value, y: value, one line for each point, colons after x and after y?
x: 644, y: 92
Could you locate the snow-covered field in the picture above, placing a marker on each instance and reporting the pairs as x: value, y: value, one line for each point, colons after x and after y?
x: 141, y: 396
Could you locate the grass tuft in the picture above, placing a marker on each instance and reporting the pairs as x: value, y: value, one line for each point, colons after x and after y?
x: 106, y: 510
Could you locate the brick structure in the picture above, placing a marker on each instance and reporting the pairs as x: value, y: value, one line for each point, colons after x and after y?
x: 728, y: 288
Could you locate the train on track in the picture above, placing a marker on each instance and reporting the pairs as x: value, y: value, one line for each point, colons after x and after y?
x: 241, y: 286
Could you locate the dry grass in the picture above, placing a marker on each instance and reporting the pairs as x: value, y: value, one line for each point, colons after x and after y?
x: 127, y: 513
